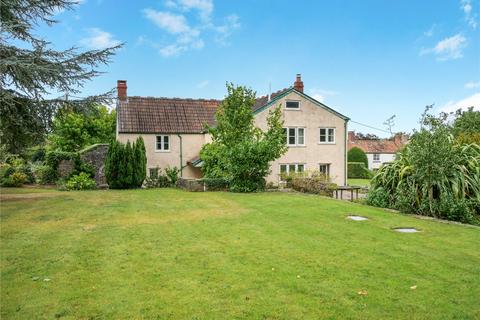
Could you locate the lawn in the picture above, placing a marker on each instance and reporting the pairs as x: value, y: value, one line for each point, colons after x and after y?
x: 169, y: 254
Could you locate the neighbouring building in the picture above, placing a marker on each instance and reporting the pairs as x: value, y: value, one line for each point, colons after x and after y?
x: 378, y: 151
x: 174, y: 131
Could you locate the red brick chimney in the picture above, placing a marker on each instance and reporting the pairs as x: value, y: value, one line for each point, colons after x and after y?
x: 122, y: 89
x: 298, y: 84
x: 351, y: 136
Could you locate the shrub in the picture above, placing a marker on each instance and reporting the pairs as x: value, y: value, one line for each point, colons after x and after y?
x: 378, y: 197
x: 81, y: 181
x: 357, y: 170
x: 433, y: 175
x: 313, y: 182
x: 157, y: 179
x: 357, y: 155
x: 172, y: 175
x: 16, y: 179
x: 125, y: 165
x: 6, y: 170
x: 45, y: 174
x: 216, y: 184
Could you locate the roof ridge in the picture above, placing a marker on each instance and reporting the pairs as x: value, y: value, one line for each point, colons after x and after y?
x: 174, y: 98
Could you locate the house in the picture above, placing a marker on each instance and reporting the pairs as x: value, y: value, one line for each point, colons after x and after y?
x: 173, y: 130
x: 378, y: 151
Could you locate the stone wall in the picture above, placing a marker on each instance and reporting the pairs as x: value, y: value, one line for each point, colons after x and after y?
x: 95, y: 156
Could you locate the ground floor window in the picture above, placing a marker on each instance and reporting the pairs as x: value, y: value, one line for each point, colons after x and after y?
x: 288, y: 168
x: 324, y: 168
x: 153, y: 172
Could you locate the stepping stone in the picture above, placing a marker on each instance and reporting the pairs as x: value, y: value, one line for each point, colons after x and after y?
x: 357, y: 218
x: 406, y: 230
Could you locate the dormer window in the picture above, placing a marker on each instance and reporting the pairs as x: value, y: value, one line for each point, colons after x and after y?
x: 292, y: 105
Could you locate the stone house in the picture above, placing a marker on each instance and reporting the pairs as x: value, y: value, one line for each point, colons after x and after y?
x: 174, y: 131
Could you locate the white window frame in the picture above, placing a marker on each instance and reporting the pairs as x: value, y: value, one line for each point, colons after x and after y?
x: 296, y: 144
x: 327, y: 165
x: 376, y: 155
x: 327, y: 129
x: 287, y: 165
x: 293, y: 109
x: 162, y: 143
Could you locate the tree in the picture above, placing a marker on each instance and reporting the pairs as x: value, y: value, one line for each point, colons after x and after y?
x: 74, y: 130
x: 30, y: 69
x: 466, y: 127
x: 239, y: 151
x: 357, y: 155
x: 125, y: 165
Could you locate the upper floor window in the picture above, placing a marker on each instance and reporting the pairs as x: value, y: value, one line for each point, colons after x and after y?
x: 294, y: 136
x: 376, y: 157
x: 162, y: 143
x: 293, y: 105
x: 327, y: 135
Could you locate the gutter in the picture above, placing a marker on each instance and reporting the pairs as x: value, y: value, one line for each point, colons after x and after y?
x: 345, y: 155
x: 181, y: 154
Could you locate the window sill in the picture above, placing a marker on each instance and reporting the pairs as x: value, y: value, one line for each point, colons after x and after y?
x: 162, y: 151
x: 296, y: 146
x: 292, y: 109
x: 327, y: 143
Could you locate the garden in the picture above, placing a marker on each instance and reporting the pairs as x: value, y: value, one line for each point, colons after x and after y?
x: 167, y: 253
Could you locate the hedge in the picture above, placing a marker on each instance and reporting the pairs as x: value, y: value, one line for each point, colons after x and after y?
x: 358, y: 170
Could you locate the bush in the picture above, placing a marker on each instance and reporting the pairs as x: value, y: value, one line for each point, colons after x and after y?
x: 313, y: 182
x: 16, y: 179
x: 358, y: 170
x: 45, y: 174
x: 172, y: 175
x: 215, y: 184
x: 357, y: 155
x: 125, y: 165
x: 81, y: 181
x: 6, y: 170
x: 157, y: 179
x: 378, y: 197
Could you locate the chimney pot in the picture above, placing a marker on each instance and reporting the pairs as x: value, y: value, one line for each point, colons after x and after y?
x: 298, y: 84
x: 122, y: 89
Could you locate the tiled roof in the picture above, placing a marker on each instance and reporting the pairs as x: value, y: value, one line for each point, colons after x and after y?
x: 165, y: 115
x: 171, y: 115
x: 376, y: 146
x: 261, y: 101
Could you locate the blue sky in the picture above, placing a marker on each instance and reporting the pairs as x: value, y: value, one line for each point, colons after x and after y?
x: 366, y: 59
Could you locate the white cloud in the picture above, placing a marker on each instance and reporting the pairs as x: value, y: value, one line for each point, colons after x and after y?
x: 172, y: 23
x: 471, y: 101
x: 185, y: 34
x: 470, y: 18
x: 472, y: 85
x: 430, y: 31
x: 99, y: 39
x: 448, y: 48
x: 321, y: 94
x: 202, y: 84
x: 231, y: 23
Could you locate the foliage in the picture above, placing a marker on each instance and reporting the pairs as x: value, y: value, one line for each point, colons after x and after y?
x: 172, y: 174
x: 313, y: 182
x: 378, y: 197
x: 30, y: 69
x: 73, y: 131
x: 157, y: 179
x: 81, y: 181
x: 45, y: 174
x: 466, y: 127
x: 239, y: 151
x: 357, y: 155
x: 357, y: 170
x: 216, y: 184
x: 16, y: 179
x: 125, y: 164
x: 431, y: 169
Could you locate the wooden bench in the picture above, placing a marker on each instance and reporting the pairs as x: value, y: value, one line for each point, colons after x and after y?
x: 347, y: 188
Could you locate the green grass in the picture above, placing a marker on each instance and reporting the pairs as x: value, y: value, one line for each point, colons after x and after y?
x: 169, y: 254
x: 359, y: 182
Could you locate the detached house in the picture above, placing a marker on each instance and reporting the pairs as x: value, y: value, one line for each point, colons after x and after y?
x: 378, y: 151
x: 174, y: 131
